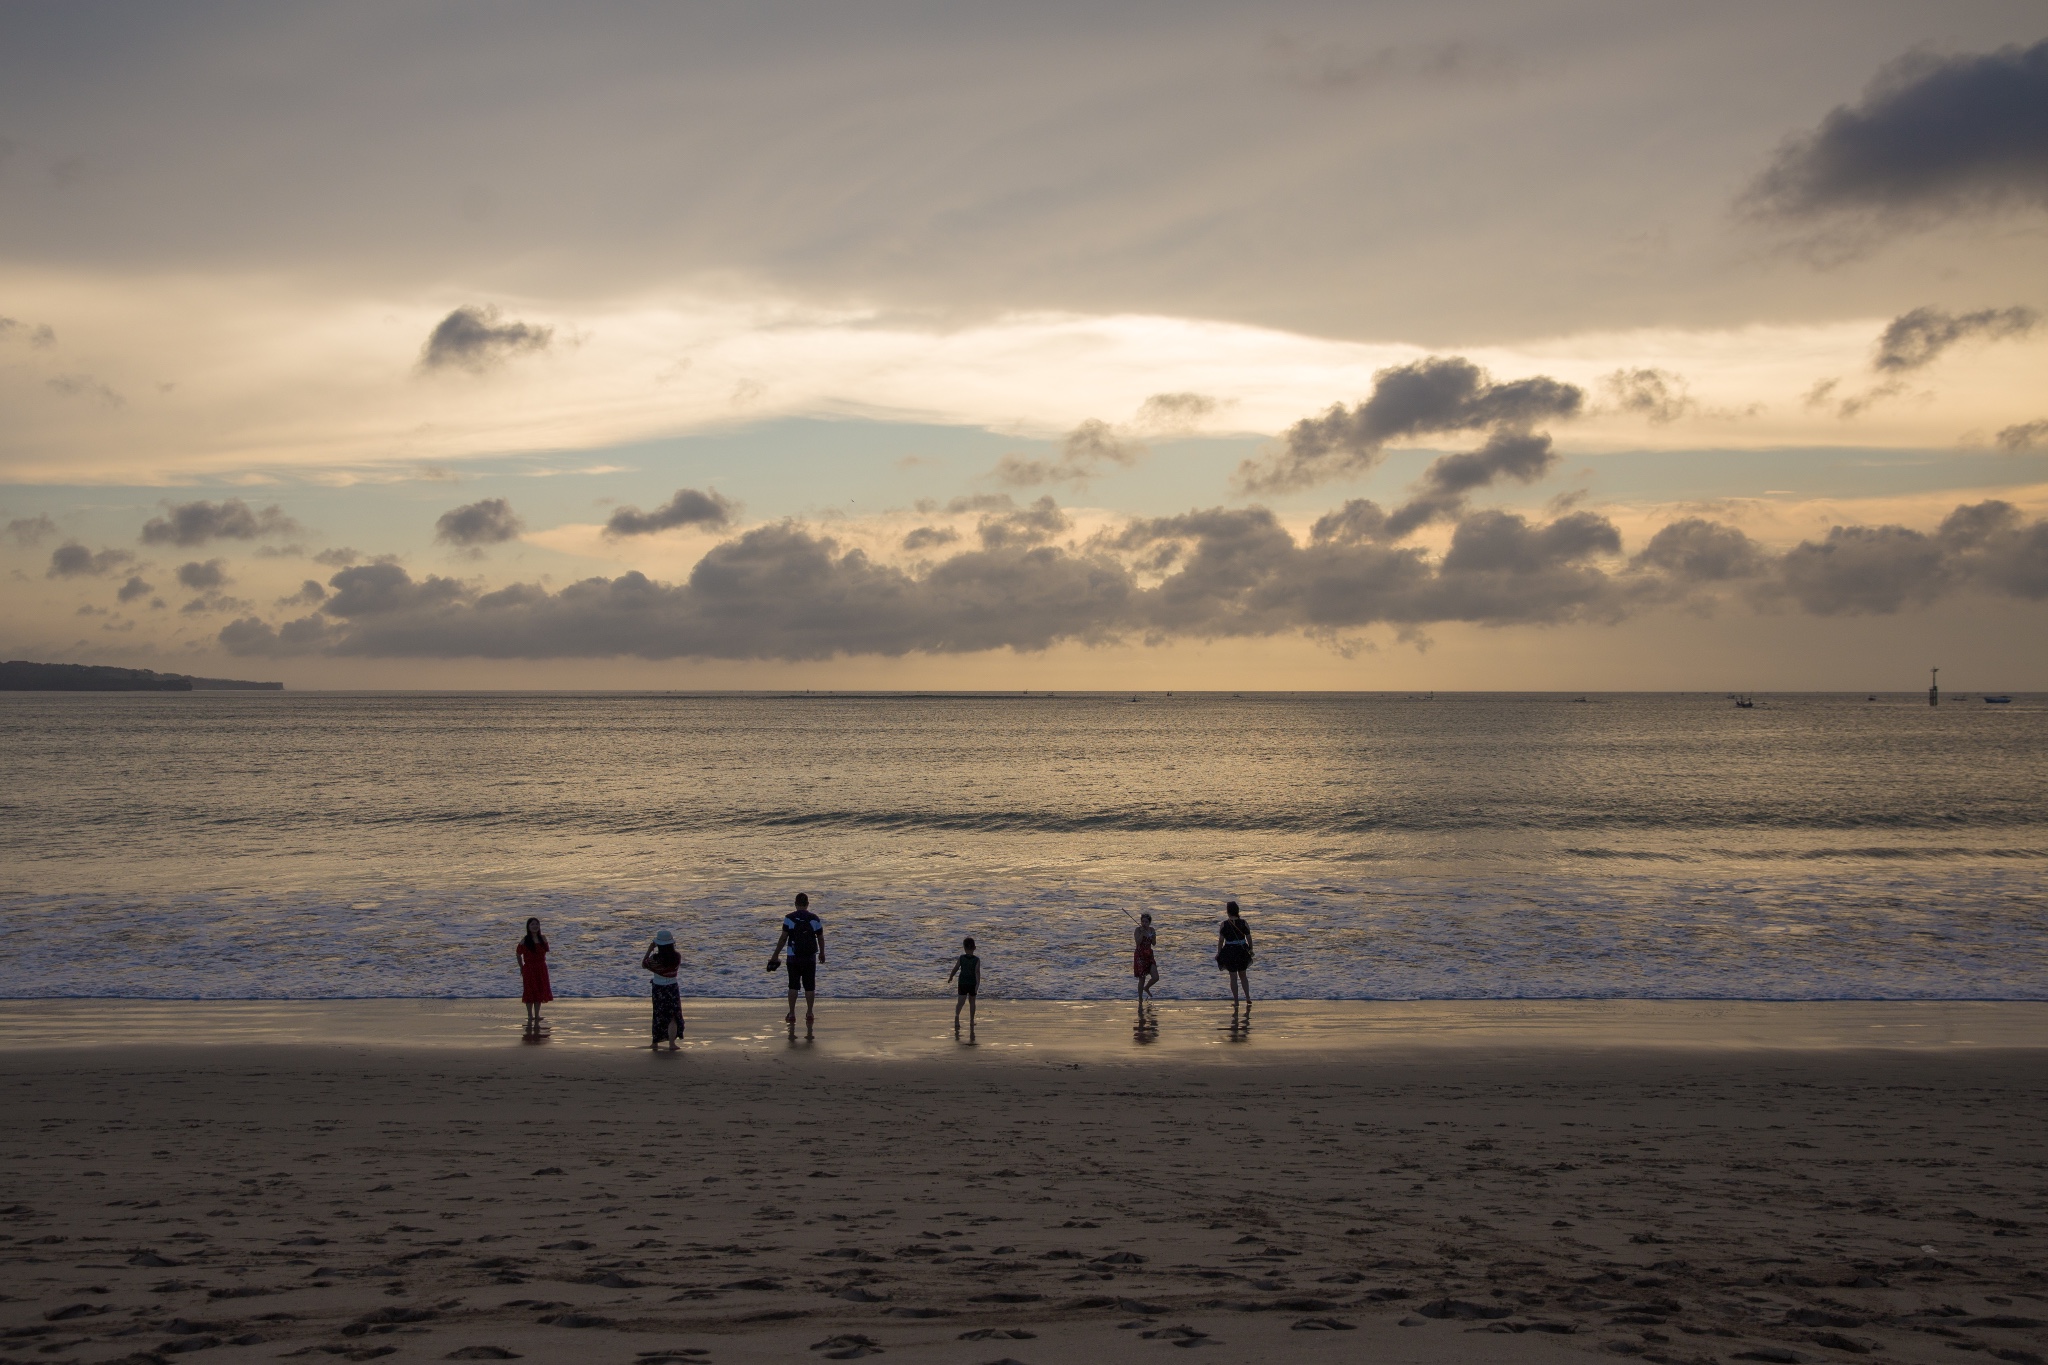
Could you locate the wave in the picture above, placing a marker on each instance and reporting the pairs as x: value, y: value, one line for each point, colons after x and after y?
x: 1880, y: 852
x: 612, y: 820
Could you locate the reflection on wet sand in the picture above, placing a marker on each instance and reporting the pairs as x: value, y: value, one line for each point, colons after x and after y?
x: 1146, y: 1030
x: 1239, y: 1029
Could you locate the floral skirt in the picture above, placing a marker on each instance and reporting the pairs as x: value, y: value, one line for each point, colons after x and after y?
x: 668, y: 1009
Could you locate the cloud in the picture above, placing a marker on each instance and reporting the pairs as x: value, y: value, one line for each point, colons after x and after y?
x: 1864, y: 570
x: 785, y: 591
x: 29, y: 532
x: 1656, y: 394
x: 1176, y: 413
x: 1931, y: 136
x: 1915, y: 340
x: 2024, y: 436
x: 133, y: 589
x: 472, y: 338
x: 930, y: 537
x: 310, y: 594
x: 195, y: 523
x: 1021, y: 526
x: 489, y: 522
x: 1437, y: 395
x: 200, y: 577
x: 687, y: 508
x: 85, y: 388
x: 72, y: 560
x: 212, y: 602
x: 251, y: 637
x: 1084, y: 453
x: 1696, y: 550
x: 339, y: 557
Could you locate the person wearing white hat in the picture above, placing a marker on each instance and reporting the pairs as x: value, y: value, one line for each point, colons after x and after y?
x: 661, y: 963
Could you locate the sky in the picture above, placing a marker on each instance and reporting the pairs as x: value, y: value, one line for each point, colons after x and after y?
x: 1177, y: 345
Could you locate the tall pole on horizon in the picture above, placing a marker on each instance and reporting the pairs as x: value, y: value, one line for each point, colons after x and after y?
x: 1934, y: 687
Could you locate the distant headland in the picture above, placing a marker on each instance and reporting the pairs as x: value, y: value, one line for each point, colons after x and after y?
x: 18, y: 675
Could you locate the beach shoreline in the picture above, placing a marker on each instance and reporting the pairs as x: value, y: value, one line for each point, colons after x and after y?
x: 1100, y: 1030
x: 1493, y: 1195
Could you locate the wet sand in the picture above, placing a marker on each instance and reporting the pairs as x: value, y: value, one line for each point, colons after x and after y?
x: 1540, y: 1185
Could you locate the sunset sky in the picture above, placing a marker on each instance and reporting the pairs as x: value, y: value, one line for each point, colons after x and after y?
x: 1168, y: 345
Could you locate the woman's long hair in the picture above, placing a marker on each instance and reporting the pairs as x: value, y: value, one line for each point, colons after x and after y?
x: 534, y: 937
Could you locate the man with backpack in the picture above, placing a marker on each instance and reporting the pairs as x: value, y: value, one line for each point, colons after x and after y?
x: 800, y: 948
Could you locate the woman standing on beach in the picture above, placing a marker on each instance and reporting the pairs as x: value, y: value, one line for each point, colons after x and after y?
x: 661, y: 963
x: 534, y: 989
x: 1144, y: 962
x: 1234, y: 951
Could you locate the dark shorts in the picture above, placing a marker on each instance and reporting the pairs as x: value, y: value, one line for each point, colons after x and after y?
x: 803, y: 976
x: 970, y: 988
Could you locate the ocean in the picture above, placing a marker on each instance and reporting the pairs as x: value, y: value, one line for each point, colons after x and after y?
x: 1484, y: 846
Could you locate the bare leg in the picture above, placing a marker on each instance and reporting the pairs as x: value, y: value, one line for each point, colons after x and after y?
x: 790, y: 1018
x: 810, y: 1007
x: 956, y: 1012
x: 970, y: 1014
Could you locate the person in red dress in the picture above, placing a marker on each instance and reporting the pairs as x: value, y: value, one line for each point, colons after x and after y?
x: 534, y: 989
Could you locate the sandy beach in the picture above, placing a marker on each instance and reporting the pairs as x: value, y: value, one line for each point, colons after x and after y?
x: 1474, y: 1199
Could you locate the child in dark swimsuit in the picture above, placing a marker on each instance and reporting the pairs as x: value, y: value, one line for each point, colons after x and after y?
x: 968, y: 968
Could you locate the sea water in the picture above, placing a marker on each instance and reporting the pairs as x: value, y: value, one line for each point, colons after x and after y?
x: 308, y: 845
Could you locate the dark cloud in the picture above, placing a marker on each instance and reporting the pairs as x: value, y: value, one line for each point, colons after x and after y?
x: 930, y: 537
x: 310, y: 594
x: 377, y: 589
x: 72, y: 560
x: 2024, y: 436
x: 1656, y: 394
x: 340, y: 557
x: 195, y: 523
x: 1436, y: 396
x: 1033, y: 524
x: 1518, y: 455
x: 489, y: 522
x: 29, y: 532
x: 1086, y: 451
x: 1357, y: 520
x: 1917, y: 339
x: 133, y: 589
x: 251, y: 637
x: 472, y: 338
x: 200, y: 577
x: 212, y: 602
x: 787, y: 592
x: 1993, y: 545
x: 687, y: 508
x: 1931, y: 135
x: 1696, y: 550
x: 1864, y: 569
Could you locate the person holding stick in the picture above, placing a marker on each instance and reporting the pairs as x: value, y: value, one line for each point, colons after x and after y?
x: 1144, y: 961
